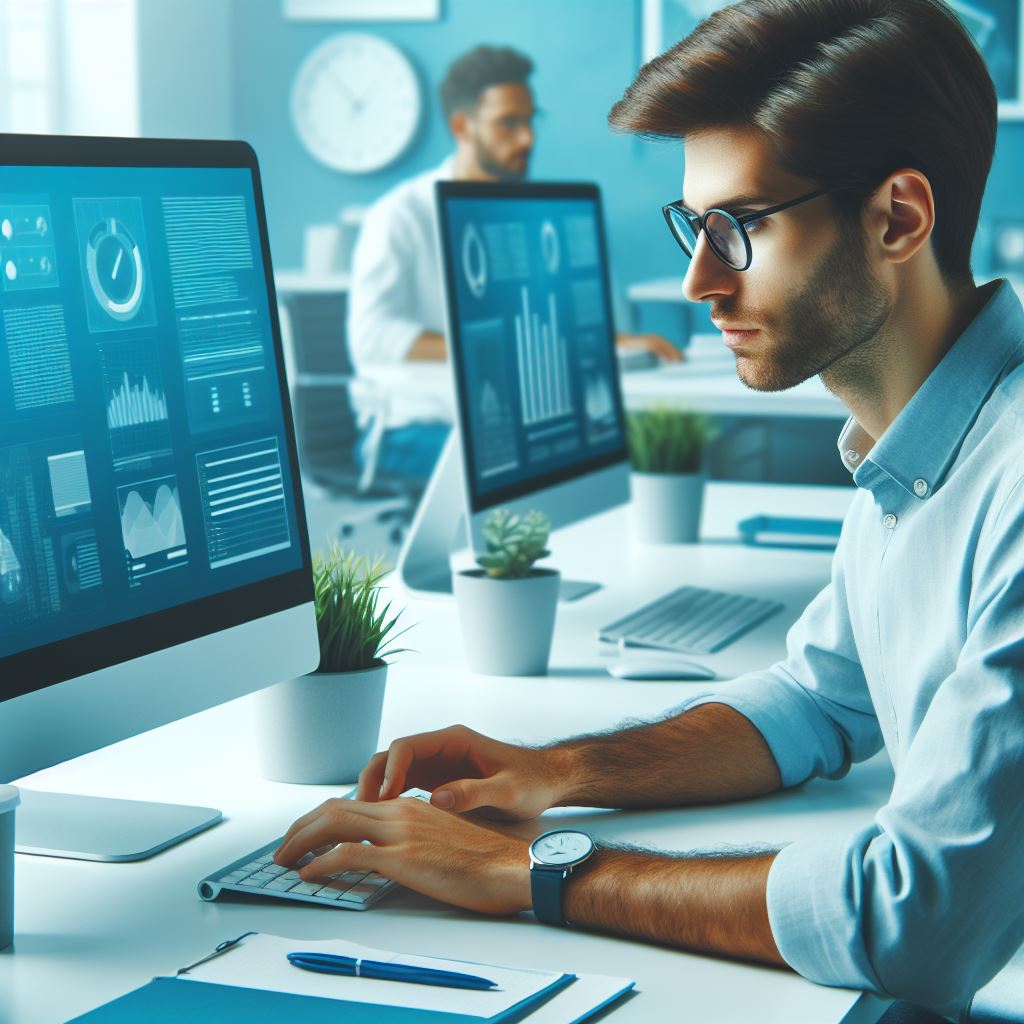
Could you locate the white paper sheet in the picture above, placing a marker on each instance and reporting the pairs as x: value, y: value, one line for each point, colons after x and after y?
x: 260, y: 961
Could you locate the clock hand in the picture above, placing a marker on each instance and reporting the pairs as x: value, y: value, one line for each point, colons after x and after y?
x: 354, y: 101
x: 117, y: 263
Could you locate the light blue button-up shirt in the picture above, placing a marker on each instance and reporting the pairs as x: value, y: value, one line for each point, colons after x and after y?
x: 918, y: 644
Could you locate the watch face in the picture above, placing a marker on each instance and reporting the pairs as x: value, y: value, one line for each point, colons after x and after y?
x: 562, y: 847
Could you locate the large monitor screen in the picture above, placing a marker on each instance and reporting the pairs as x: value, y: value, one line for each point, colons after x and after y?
x: 145, y: 461
x: 531, y: 335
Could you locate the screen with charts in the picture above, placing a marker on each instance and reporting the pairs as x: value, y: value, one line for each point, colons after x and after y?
x: 532, y: 337
x: 144, y: 461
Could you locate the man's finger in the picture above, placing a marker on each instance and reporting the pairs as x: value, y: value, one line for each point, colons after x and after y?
x: 301, y: 823
x: 344, y: 857
x: 334, y: 822
x: 404, y: 752
x: 372, y: 777
x: 469, y: 794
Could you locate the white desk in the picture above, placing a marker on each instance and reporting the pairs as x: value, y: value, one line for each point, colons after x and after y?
x: 87, y: 932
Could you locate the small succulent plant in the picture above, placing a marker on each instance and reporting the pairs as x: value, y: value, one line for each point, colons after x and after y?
x: 514, y: 543
x: 354, y: 631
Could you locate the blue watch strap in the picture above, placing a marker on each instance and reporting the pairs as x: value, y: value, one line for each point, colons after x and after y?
x: 546, y: 888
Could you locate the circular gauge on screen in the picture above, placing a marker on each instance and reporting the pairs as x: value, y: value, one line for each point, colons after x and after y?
x: 114, y: 264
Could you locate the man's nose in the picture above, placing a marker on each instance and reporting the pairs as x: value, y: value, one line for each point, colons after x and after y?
x: 707, y: 277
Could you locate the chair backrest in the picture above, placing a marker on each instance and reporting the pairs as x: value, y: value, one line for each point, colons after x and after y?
x: 325, y: 421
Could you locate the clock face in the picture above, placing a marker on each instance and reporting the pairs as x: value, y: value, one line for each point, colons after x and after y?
x: 356, y: 102
x: 562, y: 847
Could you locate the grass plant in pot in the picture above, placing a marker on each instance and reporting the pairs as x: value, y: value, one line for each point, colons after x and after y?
x: 507, y: 606
x: 666, y: 448
x: 322, y: 728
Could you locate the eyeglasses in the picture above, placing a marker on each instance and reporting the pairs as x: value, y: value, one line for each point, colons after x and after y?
x: 727, y: 235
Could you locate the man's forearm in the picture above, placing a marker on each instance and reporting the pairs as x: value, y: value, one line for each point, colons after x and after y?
x: 714, y: 904
x: 708, y: 755
x: 428, y: 347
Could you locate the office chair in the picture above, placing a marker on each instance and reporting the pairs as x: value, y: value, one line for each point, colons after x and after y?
x: 321, y: 375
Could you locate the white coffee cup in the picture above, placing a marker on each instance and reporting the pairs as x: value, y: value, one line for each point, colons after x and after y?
x: 9, y: 800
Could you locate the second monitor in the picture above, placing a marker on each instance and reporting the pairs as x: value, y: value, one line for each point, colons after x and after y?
x: 539, y: 410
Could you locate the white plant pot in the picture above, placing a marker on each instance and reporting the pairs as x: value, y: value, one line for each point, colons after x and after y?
x: 320, y: 729
x: 666, y: 507
x: 507, y: 625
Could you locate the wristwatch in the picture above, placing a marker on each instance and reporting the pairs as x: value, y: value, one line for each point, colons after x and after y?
x: 553, y: 857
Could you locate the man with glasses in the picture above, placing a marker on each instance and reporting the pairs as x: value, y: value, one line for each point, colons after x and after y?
x: 395, y: 311
x: 836, y: 154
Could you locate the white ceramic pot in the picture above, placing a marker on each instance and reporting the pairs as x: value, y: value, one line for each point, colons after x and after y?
x: 322, y: 728
x: 666, y: 507
x: 507, y: 625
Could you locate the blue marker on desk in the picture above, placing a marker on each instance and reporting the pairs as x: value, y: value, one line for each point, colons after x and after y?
x: 353, y: 966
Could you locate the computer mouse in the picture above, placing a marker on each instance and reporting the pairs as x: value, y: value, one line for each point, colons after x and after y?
x: 659, y: 668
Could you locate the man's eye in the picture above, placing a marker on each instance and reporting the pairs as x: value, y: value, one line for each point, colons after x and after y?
x: 755, y: 225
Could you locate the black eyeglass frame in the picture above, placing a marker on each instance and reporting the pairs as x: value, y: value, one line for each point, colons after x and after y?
x: 698, y: 223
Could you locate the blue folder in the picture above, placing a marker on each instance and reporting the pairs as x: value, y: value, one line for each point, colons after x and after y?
x: 173, y: 1000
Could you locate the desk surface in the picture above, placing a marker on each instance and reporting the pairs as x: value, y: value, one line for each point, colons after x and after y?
x: 87, y: 932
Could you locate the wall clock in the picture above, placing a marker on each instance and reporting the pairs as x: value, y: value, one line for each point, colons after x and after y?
x: 356, y: 102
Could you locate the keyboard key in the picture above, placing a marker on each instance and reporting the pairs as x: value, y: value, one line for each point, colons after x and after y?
x: 348, y: 878
x: 250, y: 883
x: 293, y: 876
x: 276, y: 870
x: 307, y: 888
x: 279, y: 885
x: 360, y: 893
x: 235, y: 876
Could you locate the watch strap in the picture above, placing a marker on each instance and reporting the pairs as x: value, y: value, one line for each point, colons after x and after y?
x: 546, y: 887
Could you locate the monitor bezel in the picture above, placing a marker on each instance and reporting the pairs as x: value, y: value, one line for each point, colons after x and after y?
x: 446, y: 190
x: 41, y: 667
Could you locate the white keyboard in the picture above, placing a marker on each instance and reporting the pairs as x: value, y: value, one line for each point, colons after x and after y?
x: 691, y: 620
x: 256, y: 873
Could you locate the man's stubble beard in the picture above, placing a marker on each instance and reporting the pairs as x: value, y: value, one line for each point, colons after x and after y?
x: 832, y: 328
x: 489, y: 164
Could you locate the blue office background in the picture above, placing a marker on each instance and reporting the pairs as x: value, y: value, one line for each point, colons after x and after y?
x: 586, y: 52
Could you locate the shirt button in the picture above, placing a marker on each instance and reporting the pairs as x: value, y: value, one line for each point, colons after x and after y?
x: 853, y: 456
x: 920, y: 488
x: 889, y: 522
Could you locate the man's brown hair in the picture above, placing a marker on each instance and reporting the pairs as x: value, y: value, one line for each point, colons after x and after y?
x: 847, y: 91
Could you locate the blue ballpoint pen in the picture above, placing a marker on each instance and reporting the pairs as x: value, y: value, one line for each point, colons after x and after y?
x: 352, y: 966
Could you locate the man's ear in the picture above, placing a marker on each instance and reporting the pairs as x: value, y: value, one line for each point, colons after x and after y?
x: 901, y: 215
x: 458, y: 125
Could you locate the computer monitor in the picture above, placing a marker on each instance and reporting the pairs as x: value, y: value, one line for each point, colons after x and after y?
x: 153, y: 552
x: 539, y: 409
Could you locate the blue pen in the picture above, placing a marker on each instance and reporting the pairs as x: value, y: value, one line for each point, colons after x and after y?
x: 353, y: 966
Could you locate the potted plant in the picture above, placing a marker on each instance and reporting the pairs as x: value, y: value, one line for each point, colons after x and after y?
x: 323, y: 727
x: 666, y: 448
x: 507, y: 606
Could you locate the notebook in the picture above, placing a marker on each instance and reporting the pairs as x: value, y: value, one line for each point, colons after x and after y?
x: 255, y: 977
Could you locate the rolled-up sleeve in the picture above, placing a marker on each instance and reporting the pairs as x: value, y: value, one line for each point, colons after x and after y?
x: 813, y: 708
x: 382, y: 321
x: 927, y: 903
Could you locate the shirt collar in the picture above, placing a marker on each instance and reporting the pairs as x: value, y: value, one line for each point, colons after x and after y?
x: 923, y: 440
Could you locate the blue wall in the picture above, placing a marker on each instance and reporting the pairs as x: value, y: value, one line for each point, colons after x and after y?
x: 586, y: 52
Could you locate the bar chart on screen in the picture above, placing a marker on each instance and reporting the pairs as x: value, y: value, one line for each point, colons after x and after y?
x: 543, y: 363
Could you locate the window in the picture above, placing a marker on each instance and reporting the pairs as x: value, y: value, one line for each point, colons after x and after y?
x: 69, y: 67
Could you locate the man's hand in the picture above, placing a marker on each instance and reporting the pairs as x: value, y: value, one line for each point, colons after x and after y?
x: 465, y: 771
x: 436, y: 853
x: 653, y: 343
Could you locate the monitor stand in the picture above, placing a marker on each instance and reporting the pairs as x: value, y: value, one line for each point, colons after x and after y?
x: 424, y: 565
x: 99, y: 828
